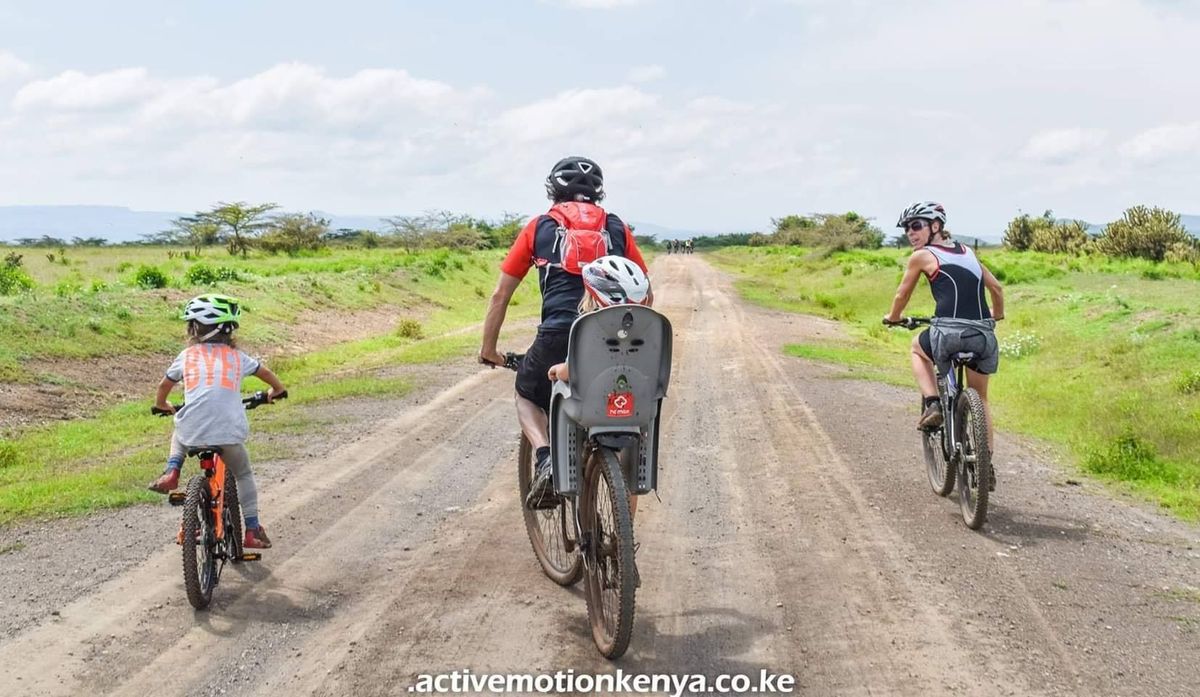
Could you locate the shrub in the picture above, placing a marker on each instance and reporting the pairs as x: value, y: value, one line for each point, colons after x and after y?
x: 1130, y: 458
x: 68, y: 287
x: 13, y: 278
x: 150, y: 277
x: 841, y: 232
x: 1018, y: 236
x: 204, y: 275
x: 1148, y: 233
x: 1182, y: 252
x: 98, y: 285
x: 1066, y: 237
x: 1045, y: 234
x: 409, y: 329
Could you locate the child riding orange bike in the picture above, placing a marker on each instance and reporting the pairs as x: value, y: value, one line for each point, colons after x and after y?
x: 211, y: 369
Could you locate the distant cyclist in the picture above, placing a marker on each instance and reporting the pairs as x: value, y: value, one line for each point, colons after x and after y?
x: 574, y: 232
x: 962, y: 319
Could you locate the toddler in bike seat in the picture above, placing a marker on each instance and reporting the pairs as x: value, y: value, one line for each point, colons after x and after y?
x: 211, y: 369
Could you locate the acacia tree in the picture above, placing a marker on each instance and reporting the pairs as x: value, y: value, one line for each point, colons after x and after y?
x: 408, y: 230
x: 195, y: 230
x: 294, y: 232
x: 240, y: 220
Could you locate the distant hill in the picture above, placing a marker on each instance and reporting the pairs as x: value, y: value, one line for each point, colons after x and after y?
x: 110, y: 222
x: 116, y: 223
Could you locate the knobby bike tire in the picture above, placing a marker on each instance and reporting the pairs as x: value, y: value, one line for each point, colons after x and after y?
x: 610, y: 569
x: 974, y: 478
x: 233, y: 519
x: 551, y: 532
x: 937, y: 468
x: 199, y: 563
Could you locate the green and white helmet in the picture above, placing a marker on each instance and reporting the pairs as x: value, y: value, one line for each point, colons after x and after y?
x: 213, y: 309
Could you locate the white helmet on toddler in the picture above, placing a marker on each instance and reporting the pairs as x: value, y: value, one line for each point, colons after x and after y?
x: 615, y: 280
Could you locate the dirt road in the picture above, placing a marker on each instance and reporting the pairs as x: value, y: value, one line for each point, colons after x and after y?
x: 795, y: 533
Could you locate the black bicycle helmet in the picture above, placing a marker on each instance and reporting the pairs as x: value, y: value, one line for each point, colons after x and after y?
x: 575, y: 179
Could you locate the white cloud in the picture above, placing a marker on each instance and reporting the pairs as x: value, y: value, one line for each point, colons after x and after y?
x: 12, y: 68
x: 1164, y: 142
x: 647, y: 73
x: 590, y: 111
x: 76, y: 91
x: 1064, y: 145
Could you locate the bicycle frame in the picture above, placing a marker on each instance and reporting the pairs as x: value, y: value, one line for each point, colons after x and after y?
x: 213, y: 466
x: 950, y: 386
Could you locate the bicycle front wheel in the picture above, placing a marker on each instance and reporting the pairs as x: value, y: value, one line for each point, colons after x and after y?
x: 940, y: 473
x: 551, y: 532
x: 199, y: 544
x: 975, y: 460
x: 610, y: 571
x: 233, y: 519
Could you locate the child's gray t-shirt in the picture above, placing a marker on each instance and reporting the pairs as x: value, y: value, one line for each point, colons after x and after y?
x: 212, y: 413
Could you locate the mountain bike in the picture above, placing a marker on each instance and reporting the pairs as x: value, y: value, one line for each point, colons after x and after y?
x: 958, y: 450
x: 552, y: 531
x: 211, y: 530
x: 604, y: 449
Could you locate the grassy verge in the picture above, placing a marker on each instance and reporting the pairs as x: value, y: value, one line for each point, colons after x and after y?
x: 1099, y: 356
x: 104, y: 461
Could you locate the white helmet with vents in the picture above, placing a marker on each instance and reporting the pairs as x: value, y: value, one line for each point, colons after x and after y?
x: 615, y: 280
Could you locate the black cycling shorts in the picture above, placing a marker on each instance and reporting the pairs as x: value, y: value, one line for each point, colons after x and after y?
x: 548, y: 348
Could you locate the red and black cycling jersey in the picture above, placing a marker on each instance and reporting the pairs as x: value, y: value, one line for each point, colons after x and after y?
x: 538, y: 245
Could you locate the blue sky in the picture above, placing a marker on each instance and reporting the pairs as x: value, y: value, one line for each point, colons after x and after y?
x: 705, y: 115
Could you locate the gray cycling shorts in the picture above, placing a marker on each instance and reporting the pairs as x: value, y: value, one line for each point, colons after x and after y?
x: 948, y: 336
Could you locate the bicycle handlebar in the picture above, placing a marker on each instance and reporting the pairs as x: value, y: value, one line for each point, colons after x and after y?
x: 512, y: 361
x: 254, y: 401
x: 909, y: 323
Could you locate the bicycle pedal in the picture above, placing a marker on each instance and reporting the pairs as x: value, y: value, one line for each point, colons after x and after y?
x: 251, y: 556
x: 176, y: 498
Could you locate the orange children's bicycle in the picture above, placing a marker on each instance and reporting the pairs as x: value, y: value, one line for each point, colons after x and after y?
x: 211, y: 531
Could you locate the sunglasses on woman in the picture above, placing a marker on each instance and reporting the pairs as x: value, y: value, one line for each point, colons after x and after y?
x: 916, y: 225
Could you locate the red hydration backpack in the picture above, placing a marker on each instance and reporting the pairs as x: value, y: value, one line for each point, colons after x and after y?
x: 582, y: 234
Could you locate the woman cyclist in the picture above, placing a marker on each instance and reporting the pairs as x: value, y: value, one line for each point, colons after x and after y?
x: 963, y: 320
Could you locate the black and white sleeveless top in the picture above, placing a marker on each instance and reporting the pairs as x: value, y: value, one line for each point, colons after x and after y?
x: 957, y: 284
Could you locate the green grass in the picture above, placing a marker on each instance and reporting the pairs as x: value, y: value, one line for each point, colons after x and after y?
x: 104, y: 461
x: 93, y: 307
x: 1099, y: 355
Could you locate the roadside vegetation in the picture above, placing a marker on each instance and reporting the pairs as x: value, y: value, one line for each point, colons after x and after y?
x: 1100, y: 348
x: 398, y: 302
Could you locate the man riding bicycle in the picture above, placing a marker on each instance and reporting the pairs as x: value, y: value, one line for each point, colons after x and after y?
x: 963, y: 322
x: 575, y: 231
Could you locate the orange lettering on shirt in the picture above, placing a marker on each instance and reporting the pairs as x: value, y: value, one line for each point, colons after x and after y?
x: 191, y: 369
x: 229, y: 368
x: 209, y: 355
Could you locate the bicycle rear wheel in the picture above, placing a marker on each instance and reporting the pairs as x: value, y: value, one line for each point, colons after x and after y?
x: 551, y: 532
x: 610, y: 572
x: 199, y: 544
x: 975, y: 460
